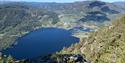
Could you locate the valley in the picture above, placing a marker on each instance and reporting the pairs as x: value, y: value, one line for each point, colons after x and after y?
x: 84, y: 20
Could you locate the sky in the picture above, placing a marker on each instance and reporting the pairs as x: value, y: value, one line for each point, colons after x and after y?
x: 60, y: 1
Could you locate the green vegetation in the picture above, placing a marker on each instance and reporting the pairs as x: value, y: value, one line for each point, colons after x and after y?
x: 9, y: 59
x: 18, y: 20
x: 104, y: 46
x: 107, y: 45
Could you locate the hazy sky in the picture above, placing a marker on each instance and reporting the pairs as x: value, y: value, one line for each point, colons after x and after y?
x: 58, y: 0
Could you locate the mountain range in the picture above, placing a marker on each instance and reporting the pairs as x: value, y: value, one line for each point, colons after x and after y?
x: 122, y: 4
x: 20, y: 18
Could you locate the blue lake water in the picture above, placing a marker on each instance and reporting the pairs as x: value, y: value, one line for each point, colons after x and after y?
x: 41, y: 43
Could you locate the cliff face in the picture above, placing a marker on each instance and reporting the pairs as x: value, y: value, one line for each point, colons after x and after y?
x: 104, y: 46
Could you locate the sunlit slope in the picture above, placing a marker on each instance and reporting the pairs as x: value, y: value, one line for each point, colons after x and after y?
x: 104, y: 46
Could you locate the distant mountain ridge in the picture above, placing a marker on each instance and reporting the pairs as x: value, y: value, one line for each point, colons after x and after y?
x: 82, y: 8
x: 120, y: 3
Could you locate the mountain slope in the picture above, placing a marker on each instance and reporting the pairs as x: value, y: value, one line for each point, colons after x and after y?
x: 122, y: 4
x: 78, y: 10
x: 104, y: 46
x: 18, y: 19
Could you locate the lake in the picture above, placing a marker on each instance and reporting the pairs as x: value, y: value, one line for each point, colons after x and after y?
x: 41, y: 43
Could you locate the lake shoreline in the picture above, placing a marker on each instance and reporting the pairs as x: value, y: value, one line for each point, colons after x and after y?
x: 56, y: 34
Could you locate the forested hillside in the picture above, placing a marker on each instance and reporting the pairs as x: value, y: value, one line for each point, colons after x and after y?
x: 18, y: 19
